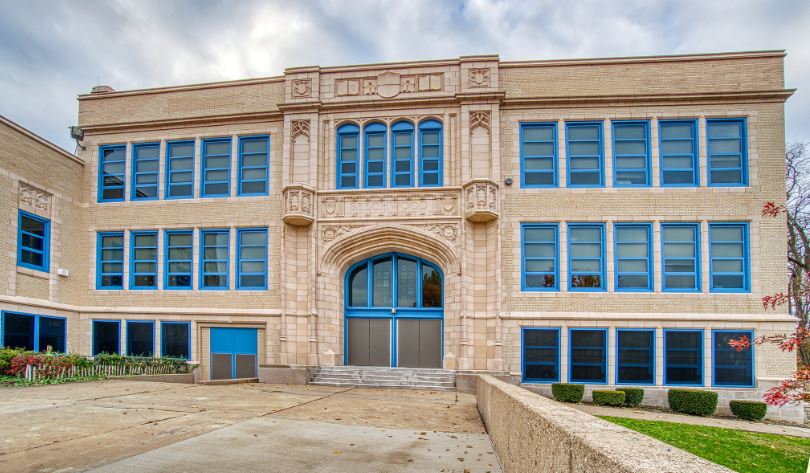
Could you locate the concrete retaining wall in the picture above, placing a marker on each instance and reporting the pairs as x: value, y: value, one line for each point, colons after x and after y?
x: 533, y: 433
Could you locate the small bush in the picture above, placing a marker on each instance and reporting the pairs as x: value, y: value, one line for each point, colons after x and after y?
x: 632, y: 396
x: 565, y: 392
x: 692, y: 401
x: 748, y: 410
x: 608, y: 398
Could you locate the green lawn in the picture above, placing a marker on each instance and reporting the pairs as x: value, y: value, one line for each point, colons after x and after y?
x: 746, y: 452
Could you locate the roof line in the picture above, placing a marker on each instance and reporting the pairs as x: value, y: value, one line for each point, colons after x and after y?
x: 39, y: 139
x: 643, y: 59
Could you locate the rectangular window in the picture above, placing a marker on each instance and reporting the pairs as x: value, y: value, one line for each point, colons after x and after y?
x: 586, y: 257
x: 254, y: 162
x: 216, y: 167
x: 402, y: 149
x: 631, y: 154
x: 633, y: 254
x: 251, y: 268
x: 539, y: 257
x: 143, y: 260
x: 33, y: 242
x: 112, y: 173
x: 179, y: 169
x: 175, y: 339
x: 106, y: 337
x: 145, y: 171
x: 110, y: 261
x: 727, y: 152
x: 585, y: 155
x: 679, y: 153
x: 375, y: 154
x: 538, y: 155
x: 635, y: 356
x: 588, y: 355
x: 179, y: 259
x: 728, y: 257
x: 348, y: 158
x: 140, y: 338
x: 214, y: 271
x: 732, y: 367
x: 34, y: 332
x: 541, y: 355
x: 430, y: 154
x: 683, y: 357
x: 680, y: 256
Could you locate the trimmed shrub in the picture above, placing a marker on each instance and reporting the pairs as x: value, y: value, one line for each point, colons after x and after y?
x: 692, y: 401
x: 632, y: 396
x: 566, y: 392
x: 748, y: 410
x: 608, y: 398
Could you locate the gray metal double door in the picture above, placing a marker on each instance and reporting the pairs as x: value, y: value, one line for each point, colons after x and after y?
x: 419, y: 342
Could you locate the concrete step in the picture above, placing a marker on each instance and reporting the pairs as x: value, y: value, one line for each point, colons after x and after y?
x: 388, y: 385
x: 332, y: 379
x: 385, y: 377
x: 341, y: 374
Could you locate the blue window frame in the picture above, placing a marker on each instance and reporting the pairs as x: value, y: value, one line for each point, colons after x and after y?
x: 585, y: 154
x: 110, y: 260
x: 631, y: 153
x: 727, y: 152
x: 179, y: 260
x: 538, y: 155
x: 587, y: 355
x: 112, y: 173
x: 374, y: 138
x: 143, y: 260
x: 540, y: 257
x: 348, y: 156
x: 214, y: 259
x: 175, y: 339
x: 586, y: 257
x: 33, y: 242
x: 216, y: 167
x: 732, y: 367
x: 541, y: 355
x: 632, y: 250
x: 145, y: 171
x: 179, y: 169
x: 106, y: 337
x: 402, y: 154
x: 680, y: 257
x: 635, y: 356
x: 254, y: 164
x: 728, y: 257
x: 251, y: 266
x: 411, y: 285
x: 34, y: 332
x: 430, y: 154
x: 678, y: 148
x: 140, y: 338
x: 683, y: 357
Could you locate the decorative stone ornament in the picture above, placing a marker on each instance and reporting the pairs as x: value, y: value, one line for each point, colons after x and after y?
x: 479, y: 78
x: 301, y: 88
x: 480, y: 118
x: 480, y: 200
x: 35, y: 200
x: 298, y: 205
x: 298, y: 128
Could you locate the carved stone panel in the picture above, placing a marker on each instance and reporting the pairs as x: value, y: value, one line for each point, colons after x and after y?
x: 301, y: 88
x: 480, y: 200
x: 299, y: 127
x: 389, y: 205
x: 34, y: 200
x: 480, y: 118
x: 298, y: 205
x: 479, y: 78
x: 389, y: 84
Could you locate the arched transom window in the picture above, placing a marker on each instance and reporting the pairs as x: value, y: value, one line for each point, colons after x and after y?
x: 394, y: 281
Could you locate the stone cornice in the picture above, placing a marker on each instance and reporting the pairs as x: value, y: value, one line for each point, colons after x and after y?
x: 779, y: 53
x: 184, y: 122
x: 777, y: 95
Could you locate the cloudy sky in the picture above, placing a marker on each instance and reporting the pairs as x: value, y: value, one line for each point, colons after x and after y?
x: 51, y: 51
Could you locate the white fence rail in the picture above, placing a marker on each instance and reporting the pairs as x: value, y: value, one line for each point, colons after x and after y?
x: 32, y: 373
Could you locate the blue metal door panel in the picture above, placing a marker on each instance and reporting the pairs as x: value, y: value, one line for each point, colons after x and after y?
x: 245, y: 341
x: 232, y: 342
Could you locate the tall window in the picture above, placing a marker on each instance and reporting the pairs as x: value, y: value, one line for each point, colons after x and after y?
x: 179, y: 259
x: 538, y: 155
x: 585, y: 158
x: 727, y: 153
x: 348, y: 156
x: 631, y: 154
x: 633, y: 253
x: 371, y: 284
x: 180, y: 169
x: 680, y: 256
x: 732, y: 367
x: 110, y: 261
x: 143, y: 261
x: 728, y: 253
x: 140, y: 338
x: 254, y: 162
x: 175, y: 339
x: 402, y: 154
x: 375, y: 154
x: 112, y: 173
x: 541, y: 355
x: 679, y: 155
x: 683, y: 357
x: 588, y: 355
x: 430, y: 153
x: 214, y: 257
x: 216, y: 167
x: 34, y: 332
x: 251, y: 268
x: 636, y: 356
x: 145, y: 171
x: 540, y: 257
x: 106, y: 337
x: 33, y: 242
x: 586, y: 257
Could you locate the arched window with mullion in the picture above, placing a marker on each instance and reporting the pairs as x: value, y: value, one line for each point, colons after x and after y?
x: 402, y: 154
x: 347, y: 156
x: 430, y: 153
x: 374, y: 153
x: 394, y: 281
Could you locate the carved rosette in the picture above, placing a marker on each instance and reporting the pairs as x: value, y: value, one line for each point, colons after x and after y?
x: 480, y: 200
x: 299, y: 203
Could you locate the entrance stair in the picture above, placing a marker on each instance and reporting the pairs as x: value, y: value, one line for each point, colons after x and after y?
x: 384, y: 377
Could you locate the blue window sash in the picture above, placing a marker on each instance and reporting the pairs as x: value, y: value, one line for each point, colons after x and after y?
x: 742, y: 155
x: 745, y: 260
x: 100, y: 247
x: 203, y: 260
x: 525, y: 363
x: 600, y: 156
x: 37, y: 318
x: 749, y: 367
x: 524, y: 156
x: 651, y: 351
x: 402, y: 128
x: 121, y: 176
x: 129, y: 323
x: 133, y: 272
x: 93, y: 334
x: 699, y: 356
x: 524, y: 259
x: 206, y: 168
x: 617, y: 157
x: 430, y: 127
x: 137, y: 175
x: 45, y: 252
x: 264, y: 166
x: 648, y: 258
x: 374, y: 129
x: 694, y: 169
x: 348, y: 130
x: 167, y: 273
x: 239, y: 259
x: 169, y: 192
x: 696, y: 258
x: 571, y: 349
x: 163, y: 338
x: 603, y: 284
